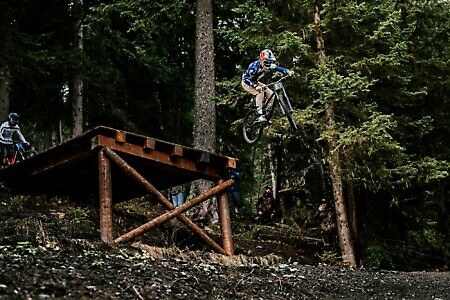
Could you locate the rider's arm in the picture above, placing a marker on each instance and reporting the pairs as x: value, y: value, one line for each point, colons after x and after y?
x: 250, y: 76
x: 280, y: 69
x: 21, y: 137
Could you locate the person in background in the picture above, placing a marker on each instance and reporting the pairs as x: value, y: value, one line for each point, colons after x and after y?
x: 251, y: 79
x: 177, y: 195
x: 265, y: 206
x: 8, y: 131
x: 234, y: 195
x: 325, y: 217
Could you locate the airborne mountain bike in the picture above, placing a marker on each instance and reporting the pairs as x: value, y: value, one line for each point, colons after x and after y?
x: 253, y: 128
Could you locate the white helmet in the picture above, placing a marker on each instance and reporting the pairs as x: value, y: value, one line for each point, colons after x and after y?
x: 266, y: 58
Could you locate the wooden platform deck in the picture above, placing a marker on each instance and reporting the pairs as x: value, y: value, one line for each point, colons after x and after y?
x: 117, y: 166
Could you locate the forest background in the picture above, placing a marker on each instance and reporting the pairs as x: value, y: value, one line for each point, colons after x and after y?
x: 382, y: 67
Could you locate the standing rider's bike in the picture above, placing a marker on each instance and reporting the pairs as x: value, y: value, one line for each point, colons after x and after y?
x: 22, y: 151
x: 253, y: 128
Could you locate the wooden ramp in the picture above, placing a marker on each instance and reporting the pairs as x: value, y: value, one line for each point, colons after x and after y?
x: 118, y: 166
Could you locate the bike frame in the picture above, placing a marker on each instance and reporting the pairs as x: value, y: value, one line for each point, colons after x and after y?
x: 252, y: 127
x: 18, y: 154
x: 279, y: 97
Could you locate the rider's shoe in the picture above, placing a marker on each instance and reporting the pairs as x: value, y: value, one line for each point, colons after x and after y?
x: 262, y: 118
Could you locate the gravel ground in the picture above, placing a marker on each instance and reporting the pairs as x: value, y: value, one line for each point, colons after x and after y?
x: 28, y: 272
x: 48, y: 251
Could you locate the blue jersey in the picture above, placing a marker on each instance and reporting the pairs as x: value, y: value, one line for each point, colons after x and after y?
x: 256, y: 72
x: 235, y: 176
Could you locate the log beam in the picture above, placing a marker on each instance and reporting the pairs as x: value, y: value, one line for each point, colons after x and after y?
x: 138, y: 178
x: 224, y: 218
x: 105, y: 195
x: 176, y: 212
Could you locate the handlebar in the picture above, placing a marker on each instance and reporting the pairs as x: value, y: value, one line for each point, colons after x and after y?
x: 275, y: 82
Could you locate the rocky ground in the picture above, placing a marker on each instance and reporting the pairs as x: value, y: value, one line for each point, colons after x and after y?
x: 48, y: 250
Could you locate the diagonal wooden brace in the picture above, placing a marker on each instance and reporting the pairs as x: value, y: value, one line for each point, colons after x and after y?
x: 174, y: 213
x: 138, y: 178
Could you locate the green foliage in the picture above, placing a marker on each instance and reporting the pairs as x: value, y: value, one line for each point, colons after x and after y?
x: 76, y: 215
x: 385, y: 74
x: 426, y: 239
x: 377, y: 257
x: 329, y: 86
x: 77, y: 219
x: 17, y: 203
x: 329, y: 258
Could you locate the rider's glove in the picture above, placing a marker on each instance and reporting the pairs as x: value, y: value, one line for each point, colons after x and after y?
x: 259, y: 88
x: 290, y: 73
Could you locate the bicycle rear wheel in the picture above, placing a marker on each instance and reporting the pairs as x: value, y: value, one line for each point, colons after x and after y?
x: 251, y: 128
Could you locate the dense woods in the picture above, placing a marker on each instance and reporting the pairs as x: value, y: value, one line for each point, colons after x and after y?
x: 371, y: 95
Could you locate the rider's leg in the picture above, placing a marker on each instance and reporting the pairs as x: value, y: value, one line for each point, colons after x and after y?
x: 10, y: 150
x: 259, y: 95
x: 7, y: 152
x: 269, y: 93
x: 259, y: 103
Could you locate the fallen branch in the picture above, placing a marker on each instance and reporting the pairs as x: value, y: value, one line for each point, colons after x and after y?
x: 135, y: 291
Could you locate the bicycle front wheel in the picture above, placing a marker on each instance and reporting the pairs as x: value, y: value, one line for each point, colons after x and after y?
x: 252, y: 129
x: 289, y: 115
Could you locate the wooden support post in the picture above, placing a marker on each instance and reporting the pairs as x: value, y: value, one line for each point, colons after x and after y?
x: 224, y: 218
x: 105, y: 195
x: 175, y: 212
x: 138, y: 178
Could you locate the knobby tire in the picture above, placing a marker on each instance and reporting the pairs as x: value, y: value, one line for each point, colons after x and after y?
x: 288, y: 113
x: 251, y: 128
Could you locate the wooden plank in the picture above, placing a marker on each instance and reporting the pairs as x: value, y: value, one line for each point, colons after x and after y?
x: 177, y: 152
x: 200, y: 167
x: 62, y: 162
x: 149, y: 144
x: 121, y: 137
x: 204, y: 159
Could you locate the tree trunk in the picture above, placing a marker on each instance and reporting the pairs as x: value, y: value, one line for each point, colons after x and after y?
x: 205, y: 109
x: 273, y: 170
x: 345, y: 241
x: 77, y: 86
x: 5, y: 85
x: 47, y: 138
x: 7, y: 18
x: 351, y: 203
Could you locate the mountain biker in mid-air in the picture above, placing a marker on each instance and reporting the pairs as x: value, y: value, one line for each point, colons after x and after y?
x: 255, y: 72
x: 8, y: 129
